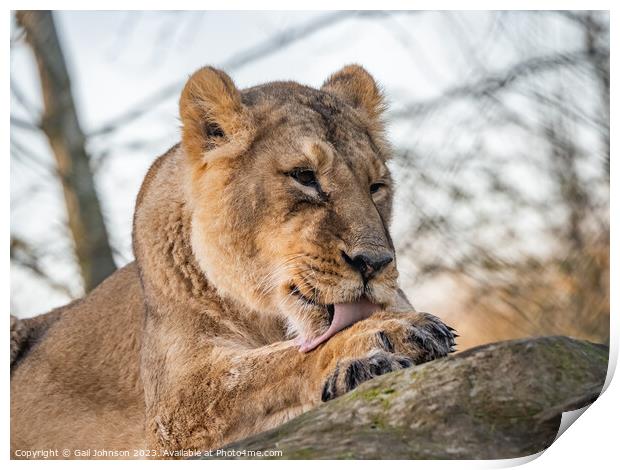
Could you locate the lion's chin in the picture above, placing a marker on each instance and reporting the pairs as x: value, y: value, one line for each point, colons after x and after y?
x: 344, y: 315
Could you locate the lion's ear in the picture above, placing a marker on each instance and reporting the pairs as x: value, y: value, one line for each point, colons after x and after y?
x: 356, y: 87
x: 213, y: 116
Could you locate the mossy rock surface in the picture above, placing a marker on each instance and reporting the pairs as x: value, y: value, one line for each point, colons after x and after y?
x: 501, y: 400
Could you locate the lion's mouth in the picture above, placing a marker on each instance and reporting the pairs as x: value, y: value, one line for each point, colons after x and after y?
x: 297, y: 293
x: 341, y: 315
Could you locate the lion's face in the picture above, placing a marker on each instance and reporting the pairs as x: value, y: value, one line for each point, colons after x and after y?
x: 291, y: 195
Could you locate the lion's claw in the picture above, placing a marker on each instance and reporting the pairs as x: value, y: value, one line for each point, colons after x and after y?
x: 350, y: 373
x: 433, y: 339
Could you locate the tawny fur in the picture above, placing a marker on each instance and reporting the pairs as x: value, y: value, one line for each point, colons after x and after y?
x: 195, y: 344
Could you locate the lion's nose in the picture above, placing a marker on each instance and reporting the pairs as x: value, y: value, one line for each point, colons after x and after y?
x: 368, y: 264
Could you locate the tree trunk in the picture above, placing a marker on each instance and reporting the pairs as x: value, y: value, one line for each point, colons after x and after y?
x: 497, y: 401
x: 62, y: 128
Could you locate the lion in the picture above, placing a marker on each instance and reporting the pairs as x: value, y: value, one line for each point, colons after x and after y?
x: 264, y: 282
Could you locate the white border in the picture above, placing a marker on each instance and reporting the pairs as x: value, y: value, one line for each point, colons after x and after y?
x: 590, y: 442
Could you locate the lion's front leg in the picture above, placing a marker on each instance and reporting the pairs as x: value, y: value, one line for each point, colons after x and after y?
x: 232, y: 393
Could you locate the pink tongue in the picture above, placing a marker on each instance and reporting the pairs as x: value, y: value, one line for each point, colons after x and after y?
x: 344, y: 315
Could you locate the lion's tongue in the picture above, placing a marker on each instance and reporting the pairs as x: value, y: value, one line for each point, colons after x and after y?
x: 344, y: 315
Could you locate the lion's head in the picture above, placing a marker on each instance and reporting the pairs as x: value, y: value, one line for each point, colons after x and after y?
x: 291, y: 196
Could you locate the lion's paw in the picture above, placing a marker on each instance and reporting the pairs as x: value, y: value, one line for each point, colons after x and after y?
x: 431, y: 338
x: 420, y: 336
x: 393, y: 342
x: 349, y: 373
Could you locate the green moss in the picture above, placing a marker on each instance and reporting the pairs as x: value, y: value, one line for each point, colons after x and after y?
x: 378, y: 422
x: 383, y: 395
x: 370, y: 395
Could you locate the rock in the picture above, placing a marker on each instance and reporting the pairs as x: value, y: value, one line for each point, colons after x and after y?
x: 496, y: 401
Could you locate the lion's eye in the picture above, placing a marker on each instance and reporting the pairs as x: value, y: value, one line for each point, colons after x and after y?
x: 375, y: 187
x: 304, y: 176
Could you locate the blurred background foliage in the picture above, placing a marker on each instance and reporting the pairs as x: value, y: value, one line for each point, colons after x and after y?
x: 499, y: 120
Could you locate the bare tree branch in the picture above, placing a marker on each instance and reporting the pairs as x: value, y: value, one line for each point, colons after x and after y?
x: 23, y: 124
x: 33, y: 111
x: 24, y: 255
x: 493, y: 83
x: 21, y: 152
